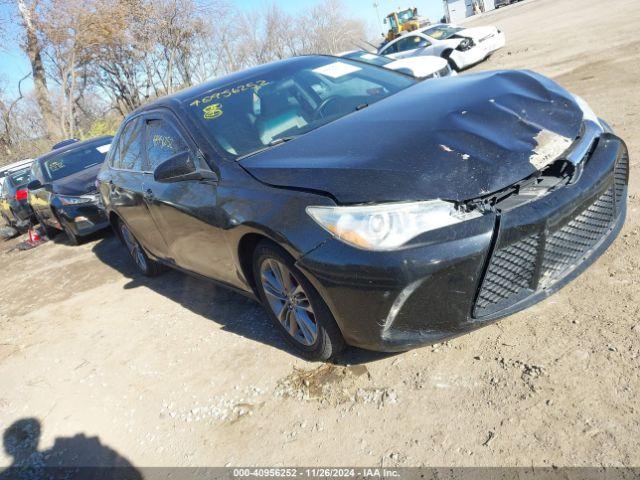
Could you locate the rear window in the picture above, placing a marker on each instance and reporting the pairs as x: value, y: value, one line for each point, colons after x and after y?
x: 442, y: 32
x: 74, y: 161
x: 20, y: 178
x: 369, y: 58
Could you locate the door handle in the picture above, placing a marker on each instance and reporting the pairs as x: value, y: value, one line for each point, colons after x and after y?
x: 148, y: 194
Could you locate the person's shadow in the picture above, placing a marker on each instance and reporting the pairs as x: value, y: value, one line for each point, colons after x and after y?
x: 76, y: 457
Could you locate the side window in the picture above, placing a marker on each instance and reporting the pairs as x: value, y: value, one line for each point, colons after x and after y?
x: 36, y: 172
x: 390, y: 49
x: 163, y: 142
x: 114, y: 155
x: 129, y: 154
x: 411, y: 42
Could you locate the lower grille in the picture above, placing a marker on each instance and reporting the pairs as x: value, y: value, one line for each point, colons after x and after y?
x: 621, y: 176
x: 564, y: 248
x: 511, y: 273
x: 511, y: 270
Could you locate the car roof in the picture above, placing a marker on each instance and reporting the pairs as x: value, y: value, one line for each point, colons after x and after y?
x: 75, y: 146
x: 178, y: 98
x: 16, y: 165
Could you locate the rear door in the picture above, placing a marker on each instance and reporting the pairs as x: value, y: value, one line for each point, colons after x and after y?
x: 186, y: 212
x: 39, y: 199
x: 126, y: 187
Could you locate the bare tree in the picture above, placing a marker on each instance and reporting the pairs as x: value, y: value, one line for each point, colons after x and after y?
x: 33, y: 48
x: 91, y: 58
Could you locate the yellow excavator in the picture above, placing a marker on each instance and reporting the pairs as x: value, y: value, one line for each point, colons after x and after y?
x: 403, y: 20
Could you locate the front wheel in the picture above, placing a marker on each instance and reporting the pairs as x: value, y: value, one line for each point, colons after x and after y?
x: 49, y: 232
x: 294, y: 305
x: 453, y: 65
x: 71, y: 235
x: 144, y: 264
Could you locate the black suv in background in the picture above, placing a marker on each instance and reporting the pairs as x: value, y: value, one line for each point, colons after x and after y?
x: 63, y: 193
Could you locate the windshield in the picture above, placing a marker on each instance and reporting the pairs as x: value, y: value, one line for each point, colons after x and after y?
x: 20, y: 178
x: 369, y: 58
x: 290, y: 100
x: 442, y: 32
x: 405, y: 15
x: 74, y: 161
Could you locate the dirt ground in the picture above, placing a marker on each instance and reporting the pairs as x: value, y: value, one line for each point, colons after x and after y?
x: 177, y: 371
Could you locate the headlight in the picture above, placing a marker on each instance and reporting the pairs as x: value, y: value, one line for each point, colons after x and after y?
x: 465, y: 44
x: 69, y: 200
x: 587, y: 112
x: 386, y: 226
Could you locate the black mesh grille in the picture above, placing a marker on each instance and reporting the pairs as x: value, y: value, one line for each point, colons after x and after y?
x: 564, y: 247
x: 511, y: 270
x: 621, y: 174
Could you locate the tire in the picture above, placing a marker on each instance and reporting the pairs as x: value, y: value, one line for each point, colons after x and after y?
x: 447, y: 56
x: 296, y: 309
x: 50, y: 232
x: 145, y: 265
x: 6, y: 220
x: 71, y: 236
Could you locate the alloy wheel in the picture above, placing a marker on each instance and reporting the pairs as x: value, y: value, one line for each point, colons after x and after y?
x: 134, y: 248
x: 289, y: 302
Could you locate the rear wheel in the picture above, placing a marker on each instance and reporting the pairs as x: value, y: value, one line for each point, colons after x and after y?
x: 6, y: 220
x: 144, y: 264
x: 294, y: 305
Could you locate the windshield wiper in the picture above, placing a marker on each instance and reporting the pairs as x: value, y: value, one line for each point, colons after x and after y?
x: 361, y: 106
x: 271, y: 144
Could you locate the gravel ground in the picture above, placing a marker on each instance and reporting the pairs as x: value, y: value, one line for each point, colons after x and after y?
x: 112, y: 367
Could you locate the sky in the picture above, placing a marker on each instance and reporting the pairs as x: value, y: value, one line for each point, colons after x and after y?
x: 14, y: 64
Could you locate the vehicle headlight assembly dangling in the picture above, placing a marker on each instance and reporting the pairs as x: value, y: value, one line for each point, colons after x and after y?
x: 387, y: 226
x: 587, y: 111
x: 465, y: 44
x: 71, y: 200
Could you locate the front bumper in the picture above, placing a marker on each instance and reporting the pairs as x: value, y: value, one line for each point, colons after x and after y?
x: 479, y: 52
x: 83, y: 219
x: 463, y: 277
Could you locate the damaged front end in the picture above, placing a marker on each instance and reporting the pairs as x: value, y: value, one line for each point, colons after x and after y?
x: 531, y: 239
x: 552, y: 225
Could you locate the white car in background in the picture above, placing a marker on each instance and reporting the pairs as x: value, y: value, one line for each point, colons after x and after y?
x: 462, y: 47
x: 422, y: 67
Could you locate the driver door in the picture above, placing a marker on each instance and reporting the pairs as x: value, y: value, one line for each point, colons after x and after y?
x: 187, y: 212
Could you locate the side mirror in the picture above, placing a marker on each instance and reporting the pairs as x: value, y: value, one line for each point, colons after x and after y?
x: 180, y: 168
x: 34, y: 185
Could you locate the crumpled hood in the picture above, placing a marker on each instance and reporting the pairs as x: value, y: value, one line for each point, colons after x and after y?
x: 455, y: 139
x: 79, y: 183
x: 477, y: 33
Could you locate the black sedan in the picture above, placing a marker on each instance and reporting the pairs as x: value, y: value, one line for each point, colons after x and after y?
x: 363, y: 207
x: 63, y: 192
